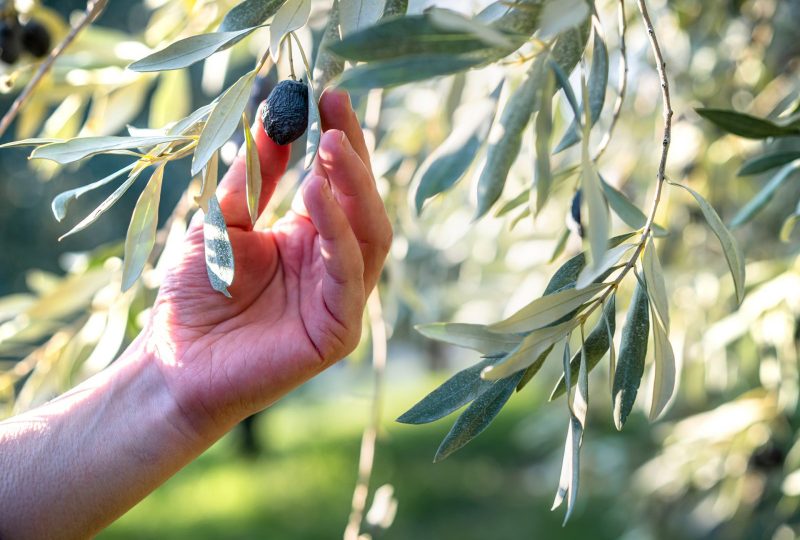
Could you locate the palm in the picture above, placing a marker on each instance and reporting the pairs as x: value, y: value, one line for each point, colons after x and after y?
x: 299, y: 288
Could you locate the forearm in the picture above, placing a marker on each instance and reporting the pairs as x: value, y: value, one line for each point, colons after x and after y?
x: 75, y: 464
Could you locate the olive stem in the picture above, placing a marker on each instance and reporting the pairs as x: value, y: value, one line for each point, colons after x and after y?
x: 93, y: 9
x: 306, y: 65
x: 661, y: 174
x: 291, y: 58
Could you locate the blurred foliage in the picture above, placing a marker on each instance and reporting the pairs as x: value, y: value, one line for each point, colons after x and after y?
x: 722, y: 464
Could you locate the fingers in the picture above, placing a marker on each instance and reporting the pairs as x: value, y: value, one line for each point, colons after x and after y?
x: 355, y: 191
x: 336, y: 112
x: 343, y: 283
x: 232, y: 191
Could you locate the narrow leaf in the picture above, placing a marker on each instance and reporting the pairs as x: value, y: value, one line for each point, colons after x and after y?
x: 630, y: 364
x: 62, y: 201
x: 543, y: 129
x: 222, y: 121
x: 314, y: 128
x: 77, y: 149
x: 457, y: 391
x: 355, y: 15
x: 664, y: 381
x: 597, y: 224
x: 726, y: 240
x: 595, y: 347
x: 141, y: 235
x: 478, y: 416
x: 450, y: 161
x: 248, y: 14
x: 529, y: 350
x: 252, y: 170
x: 598, y: 81
x: 628, y: 212
x: 106, y: 204
x: 185, y: 52
x: 292, y: 15
x: 209, y: 184
x: 760, y: 164
x: 218, y: 250
x: 38, y: 141
x: 398, y: 71
x: 472, y: 336
x: 656, y: 288
x: 449, y: 20
x: 546, y: 310
x: 745, y: 125
x: 765, y: 195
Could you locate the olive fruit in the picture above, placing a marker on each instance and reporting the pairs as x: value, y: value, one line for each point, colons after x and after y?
x: 285, y: 116
x: 36, y: 38
x: 10, y: 43
x: 574, y: 217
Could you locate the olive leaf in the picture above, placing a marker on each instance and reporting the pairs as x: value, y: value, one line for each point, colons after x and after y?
x: 630, y: 363
x: 760, y: 164
x: 597, y: 223
x: 745, y: 125
x: 450, y: 161
x: 398, y: 71
x: 654, y: 278
x: 252, y: 170
x: 141, y: 235
x: 327, y: 65
x: 472, y: 336
x: 628, y: 212
x: 36, y: 141
x: 185, y: 52
x: 314, y: 128
x: 598, y: 81
x: 765, y: 195
x: 209, y: 182
x: 595, y: 346
x: 449, y: 20
x: 546, y: 310
x: 292, y: 15
x: 249, y: 13
x: 107, y: 203
x: 477, y: 416
x: 76, y: 149
x: 457, y: 391
x: 357, y: 14
x: 578, y: 406
x: 218, y: 249
x: 62, y: 201
x: 562, y: 15
x: 732, y: 254
x: 665, y: 375
x: 543, y: 129
x: 223, y: 120
x: 529, y: 350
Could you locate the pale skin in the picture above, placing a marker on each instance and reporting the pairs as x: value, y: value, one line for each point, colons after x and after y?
x: 205, y: 362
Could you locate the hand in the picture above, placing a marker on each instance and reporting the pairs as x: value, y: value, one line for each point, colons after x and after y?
x: 299, y: 289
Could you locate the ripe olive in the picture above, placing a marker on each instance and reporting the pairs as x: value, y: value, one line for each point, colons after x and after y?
x: 285, y: 116
x: 574, y: 217
x: 10, y: 41
x: 36, y: 38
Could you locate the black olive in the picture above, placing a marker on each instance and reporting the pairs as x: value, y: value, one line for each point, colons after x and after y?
x: 574, y: 218
x: 10, y: 42
x: 36, y: 38
x: 285, y: 117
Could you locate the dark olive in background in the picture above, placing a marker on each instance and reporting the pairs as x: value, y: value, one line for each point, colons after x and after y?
x: 35, y: 38
x: 10, y: 41
x: 574, y: 217
x: 285, y: 116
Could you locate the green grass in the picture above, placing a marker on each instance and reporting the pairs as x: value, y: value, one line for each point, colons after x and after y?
x: 500, y: 486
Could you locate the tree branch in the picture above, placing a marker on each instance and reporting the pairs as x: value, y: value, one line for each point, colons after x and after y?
x: 93, y: 9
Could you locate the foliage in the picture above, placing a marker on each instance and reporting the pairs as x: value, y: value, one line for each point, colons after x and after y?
x: 525, y: 87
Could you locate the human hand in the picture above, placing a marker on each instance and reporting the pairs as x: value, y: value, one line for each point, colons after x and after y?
x: 299, y: 290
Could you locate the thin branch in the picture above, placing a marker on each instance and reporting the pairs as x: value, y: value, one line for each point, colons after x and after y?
x: 623, y: 82
x: 93, y: 10
x: 662, y: 165
x: 367, y: 456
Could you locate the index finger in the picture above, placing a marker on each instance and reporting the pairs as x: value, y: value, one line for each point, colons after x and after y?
x: 336, y: 112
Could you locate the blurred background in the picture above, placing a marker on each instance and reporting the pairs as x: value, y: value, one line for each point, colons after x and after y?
x: 724, y: 463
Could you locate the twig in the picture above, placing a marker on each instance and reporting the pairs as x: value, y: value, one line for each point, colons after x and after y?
x: 623, y: 83
x: 662, y: 165
x: 93, y: 9
x: 367, y: 456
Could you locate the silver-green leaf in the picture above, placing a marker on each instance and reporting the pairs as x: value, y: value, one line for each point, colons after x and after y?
x: 472, y: 336
x: 185, y: 52
x: 141, y: 235
x: 62, y: 201
x: 218, y: 250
